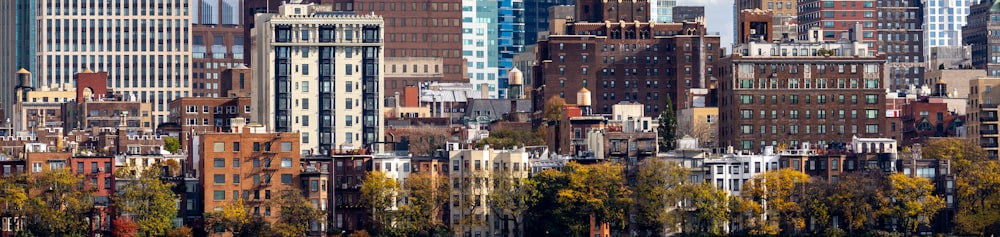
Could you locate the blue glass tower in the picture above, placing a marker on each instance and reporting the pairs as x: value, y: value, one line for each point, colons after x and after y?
x: 510, y: 40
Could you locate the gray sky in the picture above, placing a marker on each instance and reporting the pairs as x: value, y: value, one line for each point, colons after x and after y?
x: 718, y: 16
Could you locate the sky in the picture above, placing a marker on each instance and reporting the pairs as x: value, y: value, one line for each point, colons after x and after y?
x: 718, y: 17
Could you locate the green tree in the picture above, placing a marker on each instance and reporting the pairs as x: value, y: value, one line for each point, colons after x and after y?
x: 57, y: 211
x: 658, y: 188
x: 914, y: 202
x: 509, y: 138
x: 667, y: 130
x: 963, y: 153
x: 511, y: 197
x: 779, y: 188
x: 598, y: 190
x: 547, y: 215
x: 172, y: 144
x: 296, y: 214
x: 378, y: 192
x: 146, y: 200
x: 710, y: 209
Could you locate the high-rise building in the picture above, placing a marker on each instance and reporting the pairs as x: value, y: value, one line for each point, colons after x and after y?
x: 143, y: 45
x: 18, y: 21
x: 320, y: 75
x: 892, y: 27
x: 977, y: 33
x: 794, y: 93
x: 479, y: 43
x: 423, y: 40
x: 217, y: 43
x: 510, y: 40
x: 536, y: 18
x: 688, y: 13
x: 662, y: 10
x: 982, y: 114
x: 943, y: 22
x: 629, y: 59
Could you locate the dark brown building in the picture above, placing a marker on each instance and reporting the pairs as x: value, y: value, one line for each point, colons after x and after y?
x: 350, y: 167
x: 215, y: 48
x: 199, y: 115
x: 788, y: 94
x: 625, y: 59
x: 424, y: 36
x: 236, y: 82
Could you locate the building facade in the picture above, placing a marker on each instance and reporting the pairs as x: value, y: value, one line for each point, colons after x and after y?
x: 143, y: 45
x: 480, y: 46
x: 982, y: 114
x: 662, y: 11
x: 785, y: 15
x: 785, y: 94
x: 536, y: 19
x: 320, y: 75
x: 510, y: 41
x: 688, y: 13
x: 943, y: 22
x: 630, y: 59
x: 977, y: 34
x: 471, y: 173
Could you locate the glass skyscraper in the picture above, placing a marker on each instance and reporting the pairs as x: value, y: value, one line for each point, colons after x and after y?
x: 663, y: 10
x: 943, y: 22
x: 479, y: 43
x: 511, y: 39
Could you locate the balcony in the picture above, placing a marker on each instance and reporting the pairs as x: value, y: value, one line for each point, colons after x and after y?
x: 987, y: 118
x: 987, y: 131
x: 989, y: 145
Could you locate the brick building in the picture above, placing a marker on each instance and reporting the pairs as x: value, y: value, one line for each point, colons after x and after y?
x: 977, y: 34
x: 927, y: 118
x: 248, y: 164
x: 982, y: 114
x: 350, y: 168
x: 790, y: 93
x: 613, y: 51
x: 199, y: 114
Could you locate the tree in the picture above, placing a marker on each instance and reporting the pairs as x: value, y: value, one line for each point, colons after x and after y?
x: 378, y: 192
x: 779, y: 188
x: 427, y: 196
x: 57, y: 211
x: 146, y: 200
x: 173, y: 168
x: 425, y: 140
x: 183, y: 231
x: 123, y: 227
x: 296, y: 214
x: 172, y: 144
x: 857, y: 197
x: 658, y: 189
x: 547, y: 215
x: 667, y: 130
x: 710, y: 208
x: 914, y: 203
x: 596, y: 190
x: 979, y: 200
x: 473, y: 190
x: 509, y: 138
x: 704, y: 132
x: 14, y: 195
x: 234, y: 218
x: 553, y: 109
x: 963, y: 153
x: 512, y: 195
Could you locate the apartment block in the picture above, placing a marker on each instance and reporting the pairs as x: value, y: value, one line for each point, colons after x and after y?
x: 200, y: 114
x: 629, y: 59
x: 470, y: 176
x: 977, y: 33
x: 248, y: 164
x: 793, y: 93
x: 321, y: 76
x: 783, y: 14
x: 982, y: 114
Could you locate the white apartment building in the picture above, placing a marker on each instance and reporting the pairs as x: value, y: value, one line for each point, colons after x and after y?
x: 320, y: 74
x: 143, y: 45
x: 472, y: 172
x: 395, y: 167
x: 943, y: 22
x: 479, y: 43
x: 731, y: 171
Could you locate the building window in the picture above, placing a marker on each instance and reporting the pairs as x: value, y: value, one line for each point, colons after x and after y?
x: 286, y: 178
x: 219, y: 163
x: 286, y: 162
x: 219, y: 195
x: 219, y: 146
x: 219, y: 179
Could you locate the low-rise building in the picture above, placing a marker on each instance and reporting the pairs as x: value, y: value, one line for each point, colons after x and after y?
x: 472, y: 172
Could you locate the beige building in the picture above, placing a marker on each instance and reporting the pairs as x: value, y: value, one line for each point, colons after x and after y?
x: 471, y: 173
x: 700, y: 123
x: 34, y: 108
x: 957, y: 80
x: 982, y: 113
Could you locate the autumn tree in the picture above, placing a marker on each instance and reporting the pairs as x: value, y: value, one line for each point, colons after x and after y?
x: 378, y: 192
x: 553, y: 109
x: 59, y: 208
x: 296, y: 214
x: 658, y: 189
x: 857, y: 197
x: 914, y: 203
x: 710, y: 209
x: 509, y: 138
x: 979, y: 200
x: 234, y: 218
x: 425, y: 140
x: 780, y: 189
x: 547, y: 215
x: 473, y: 190
x: 963, y: 153
x: 14, y: 195
x: 511, y: 197
x: 667, y: 129
x: 123, y: 227
x: 182, y: 231
x: 427, y: 197
x: 146, y: 200
x: 598, y: 190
